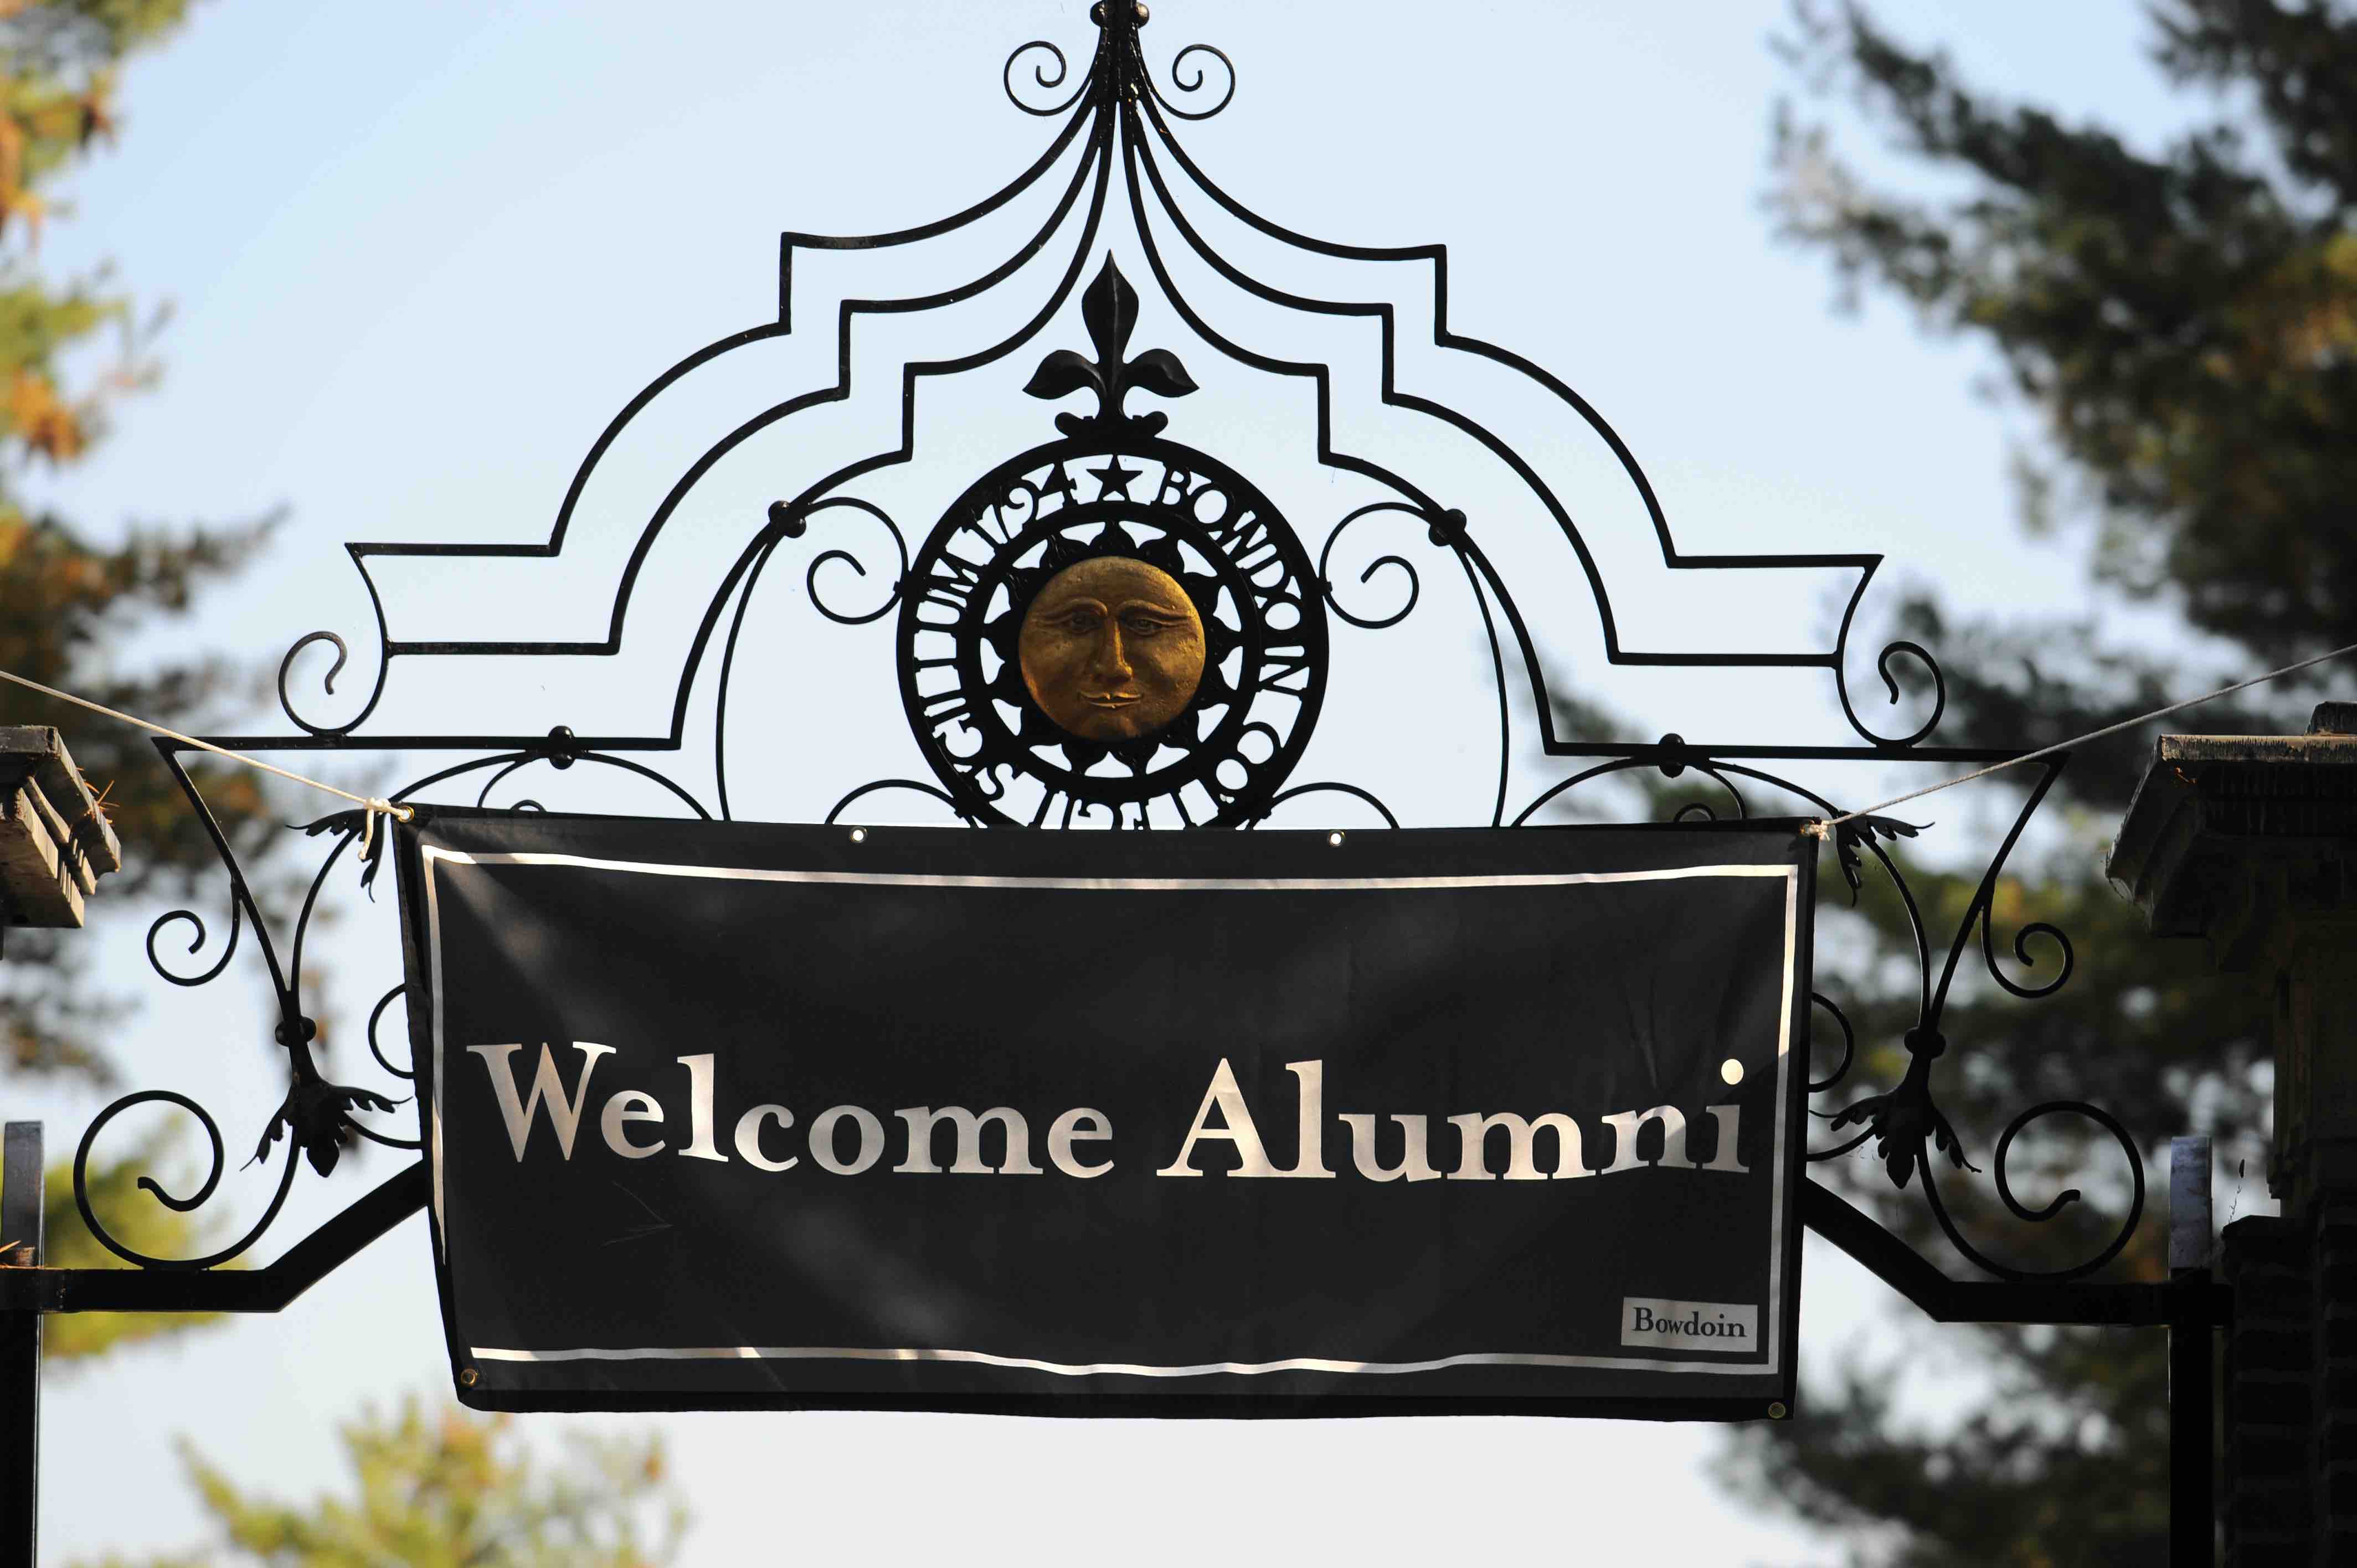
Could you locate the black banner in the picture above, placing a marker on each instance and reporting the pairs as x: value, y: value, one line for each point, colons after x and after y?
x: 1222, y: 1123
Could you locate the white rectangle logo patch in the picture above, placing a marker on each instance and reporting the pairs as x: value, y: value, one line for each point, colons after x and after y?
x: 1717, y: 1325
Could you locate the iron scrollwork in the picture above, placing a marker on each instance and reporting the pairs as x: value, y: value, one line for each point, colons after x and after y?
x: 1113, y: 488
x: 1115, y: 485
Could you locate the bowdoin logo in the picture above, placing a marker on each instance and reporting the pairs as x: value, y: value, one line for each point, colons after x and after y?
x: 1714, y: 1326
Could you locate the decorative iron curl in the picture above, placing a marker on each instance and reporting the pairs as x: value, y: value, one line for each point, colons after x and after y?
x: 1849, y: 1044
x: 483, y: 794
x: 563, y: 759
x: 1414, y: 583
x: 343, y: 656
x: 229, y: 950
x: 1847, y: 846
x: 1039, y: 75
x: 1708, y: 813
x: 177, y: 1205
x: 1890, y: 684
x: 386, y: 1139
x: 792, y: 528
x: 881, y: 784
x: 2061, y: 1200
x: 1189, y: 87
x: 376, y: 1013
x: 1618, y: 764
x: 1325, y: 788
x: 642, y: 770
x: 2021, y: 954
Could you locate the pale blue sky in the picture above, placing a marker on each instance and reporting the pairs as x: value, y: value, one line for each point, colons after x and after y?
x: 419, y: 257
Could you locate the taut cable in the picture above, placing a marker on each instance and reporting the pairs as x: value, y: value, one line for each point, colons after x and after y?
x: 372, y: 804
x: 1824, y: 827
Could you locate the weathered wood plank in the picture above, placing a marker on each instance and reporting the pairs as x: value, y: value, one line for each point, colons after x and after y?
x: 38, y: 752
x: 37, y: 875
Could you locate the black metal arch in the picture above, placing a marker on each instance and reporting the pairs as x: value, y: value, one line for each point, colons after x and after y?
x: 1120, y: 113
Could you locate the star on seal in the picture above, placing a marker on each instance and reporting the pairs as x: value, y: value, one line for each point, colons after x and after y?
x: 1112, y: 481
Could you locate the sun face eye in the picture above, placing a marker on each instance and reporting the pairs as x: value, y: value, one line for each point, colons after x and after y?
x: 1078, y: 621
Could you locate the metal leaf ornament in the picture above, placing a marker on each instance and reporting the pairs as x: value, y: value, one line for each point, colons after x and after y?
x: 1851, y: 837
x: 1904, y: 1120
x: 315, y: 1112
x: 355, y: 824
x: 1109, y: 309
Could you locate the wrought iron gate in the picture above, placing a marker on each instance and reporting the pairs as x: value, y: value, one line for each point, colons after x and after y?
x: 1121, y: 471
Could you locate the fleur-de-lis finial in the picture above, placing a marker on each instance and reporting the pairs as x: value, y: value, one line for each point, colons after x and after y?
x: 1110, y: 310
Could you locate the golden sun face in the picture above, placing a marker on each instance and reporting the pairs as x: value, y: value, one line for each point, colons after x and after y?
x: 1111, y: 649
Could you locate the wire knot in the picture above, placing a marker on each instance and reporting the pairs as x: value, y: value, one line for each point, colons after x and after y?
x: 371, y: 809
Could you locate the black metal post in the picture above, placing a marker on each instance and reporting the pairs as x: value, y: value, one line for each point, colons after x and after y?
x: 2192, y: 1508
x: 20, y: 1350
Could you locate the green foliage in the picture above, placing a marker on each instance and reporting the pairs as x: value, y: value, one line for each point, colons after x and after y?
x: 451, y: 1490
x: 63, y: 603
x: 68, y: 599
x: 2065, y: 1461
x: 2066, y: 1465
x: 58, y: 65
x: 429, y: 1491
x: 2184, y: 320
x: 136, y: 1220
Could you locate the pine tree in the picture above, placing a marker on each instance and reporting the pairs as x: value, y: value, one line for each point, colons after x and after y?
x: 69, y: 592
x: 2184, y: 320
x: 72, y: 592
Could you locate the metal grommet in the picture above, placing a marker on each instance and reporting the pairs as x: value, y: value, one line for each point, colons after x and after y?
x: 859, y: 835
x: 1776, y: 1412
x: 467, y: 1376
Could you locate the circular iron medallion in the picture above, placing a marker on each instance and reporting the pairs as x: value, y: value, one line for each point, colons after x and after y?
x: 1123, y: 635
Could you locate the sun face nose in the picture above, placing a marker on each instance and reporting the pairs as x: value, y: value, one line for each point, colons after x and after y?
x: 1108, y: 660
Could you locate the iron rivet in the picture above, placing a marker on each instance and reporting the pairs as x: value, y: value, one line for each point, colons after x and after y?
x: 859, y: 835
x: 1731, y: 1070
x: 1334, y: 839
x: 467, y: 1376
x: 1143, y: 15
x: 1777, y: 1411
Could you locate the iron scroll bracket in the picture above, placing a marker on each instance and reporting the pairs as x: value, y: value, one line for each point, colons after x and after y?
x: 2123, y: 1304
x: 272, y: 1289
